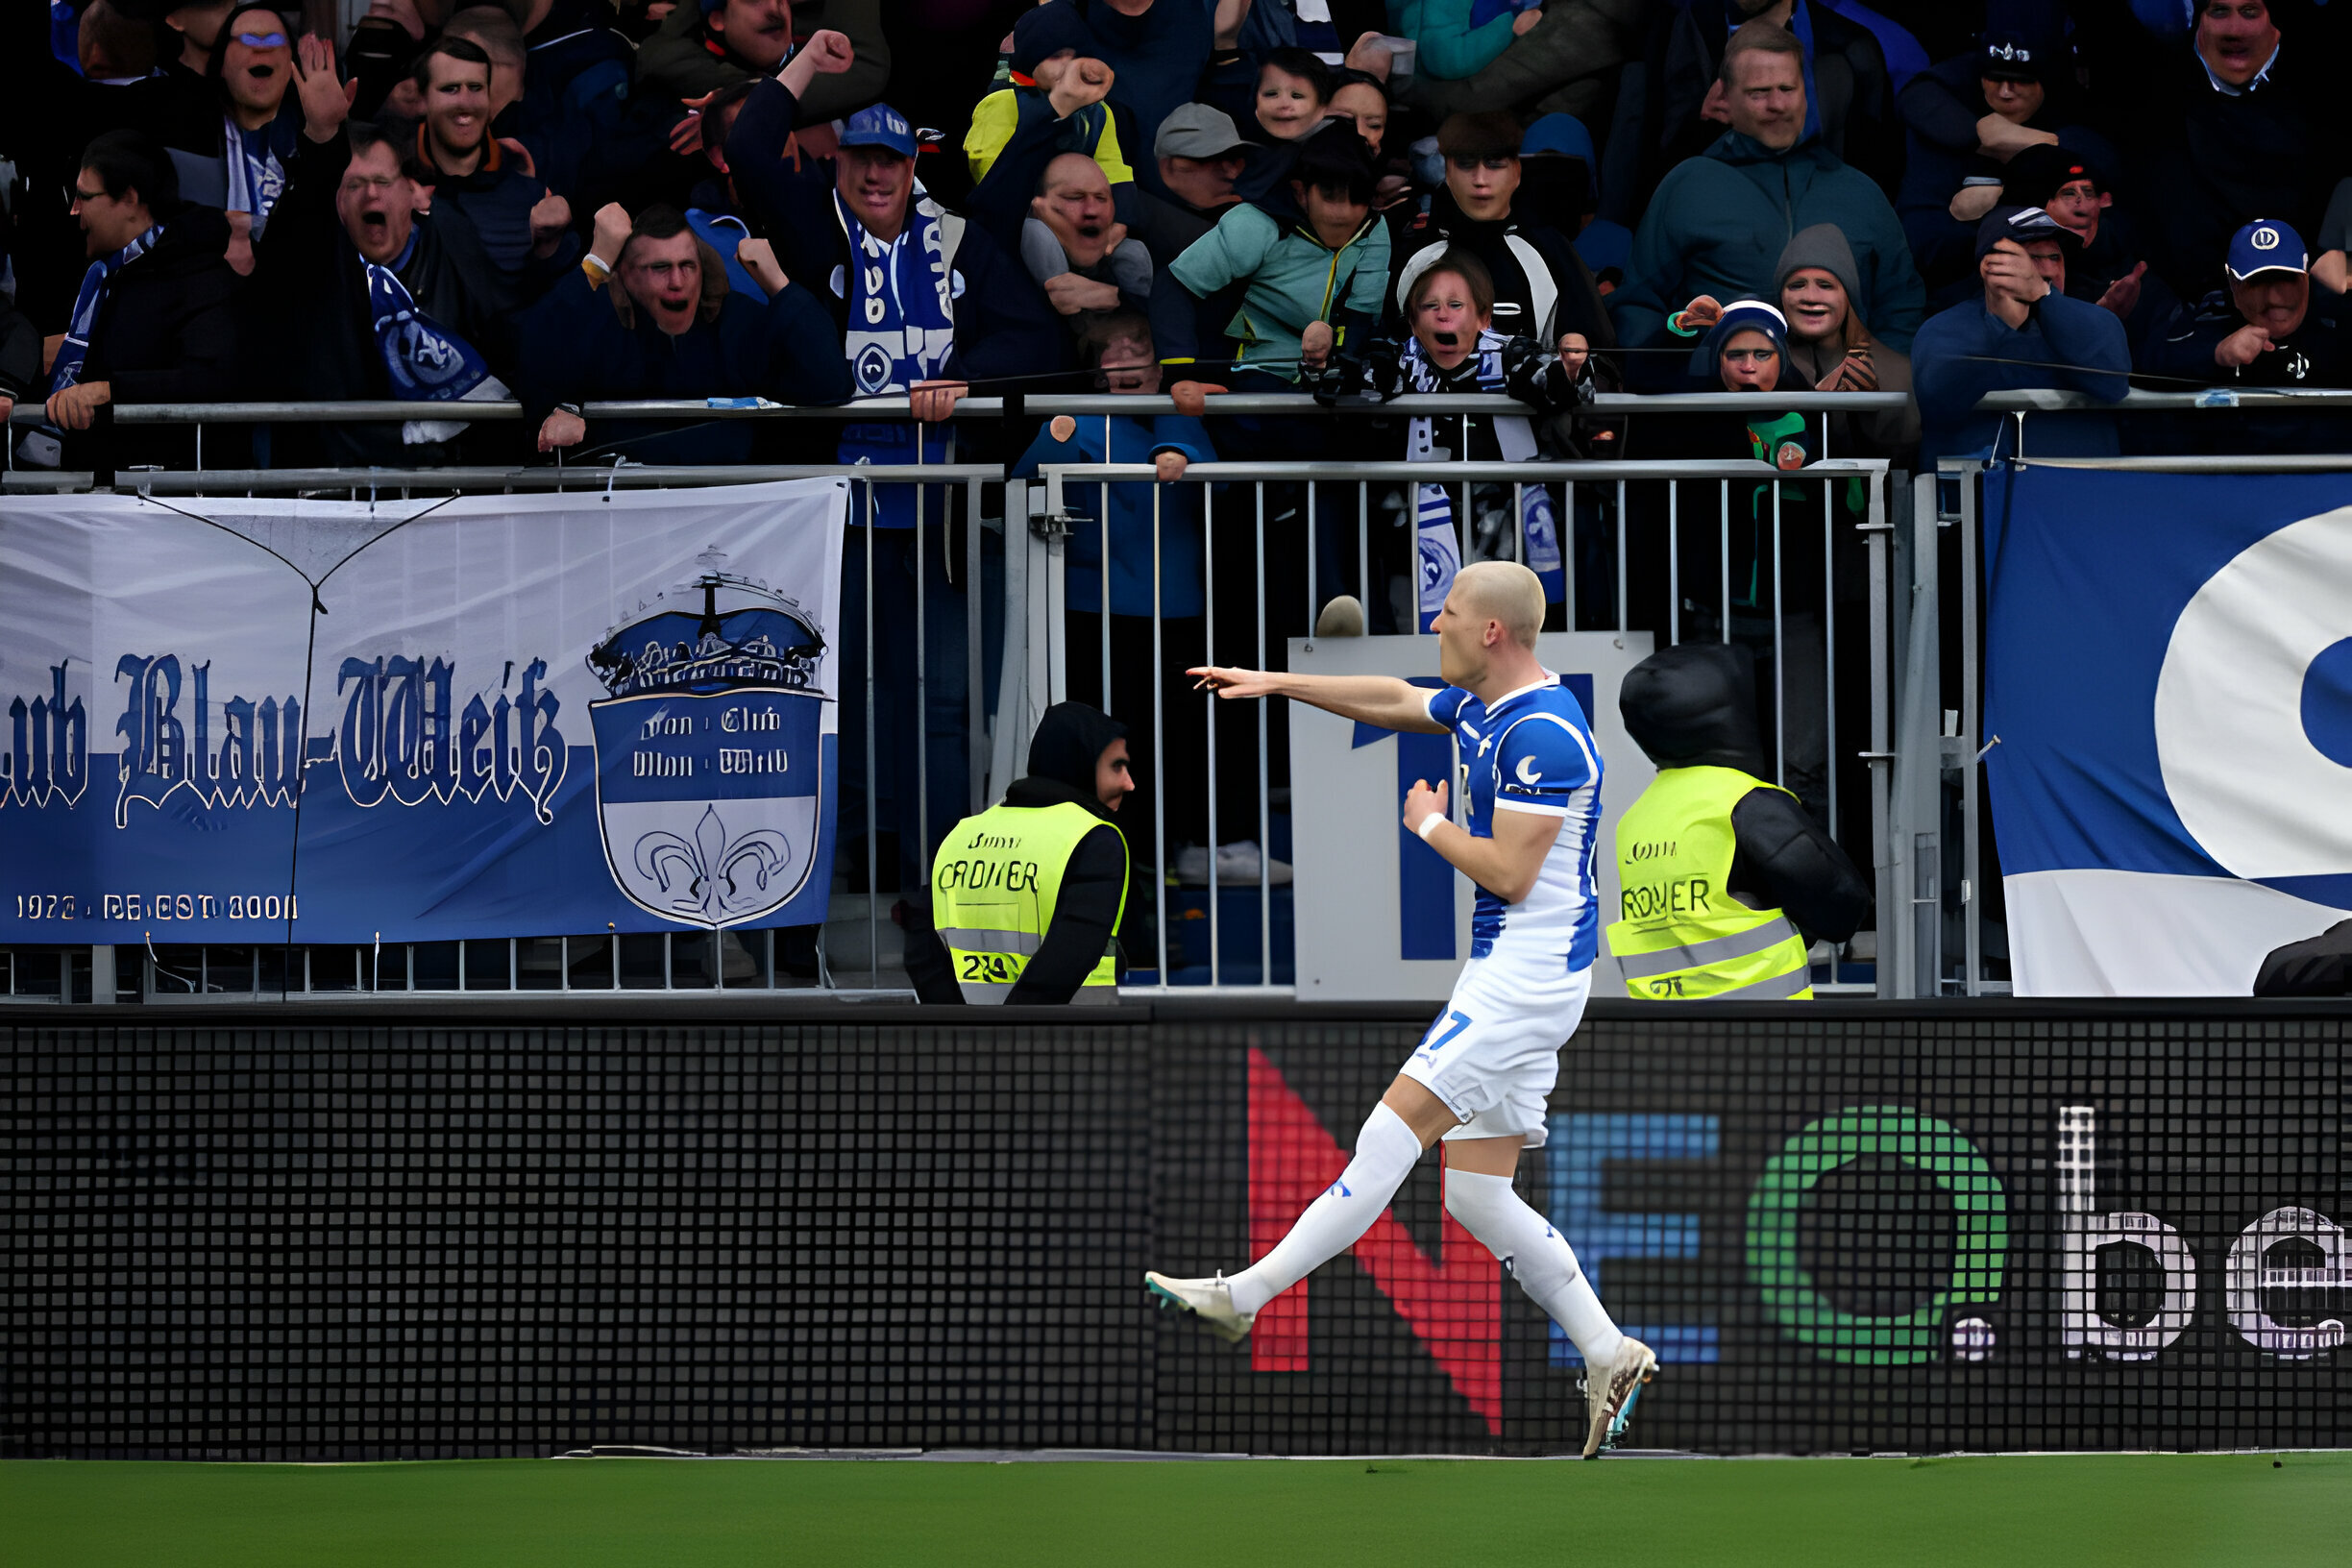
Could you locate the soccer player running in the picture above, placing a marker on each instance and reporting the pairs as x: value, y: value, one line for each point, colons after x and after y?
x: 1480, y: 1077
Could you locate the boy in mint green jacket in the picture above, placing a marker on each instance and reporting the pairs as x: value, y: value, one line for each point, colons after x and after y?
x: 1307, y: 275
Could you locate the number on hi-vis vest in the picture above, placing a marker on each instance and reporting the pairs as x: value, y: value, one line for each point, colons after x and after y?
x: 1001, y: 967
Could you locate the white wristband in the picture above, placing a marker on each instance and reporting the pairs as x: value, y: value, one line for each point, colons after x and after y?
x: 1430, y: 825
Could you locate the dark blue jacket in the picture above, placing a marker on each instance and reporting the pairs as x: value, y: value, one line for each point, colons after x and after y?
x: 1966, y: 351
x: 575, y: 349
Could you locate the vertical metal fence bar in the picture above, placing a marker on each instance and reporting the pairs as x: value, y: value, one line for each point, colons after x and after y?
x: 1159, y: 732
x: 1364, y: 547
x: 923, y: 682
x: 1313, y: 585
x: 1568, y: 550
x: 1780, y: 654
x: 1881, y: 662
x: 1830, y: 651
x: 1265, y: 781
x: 1209, y: 702
x: 1674, y: 563
x: 1724, y: 559
x: 1621, y: 558
x: 1102, y: 524
x: 873, y: 879
x: 1971, y: 727
x: 976, y: 661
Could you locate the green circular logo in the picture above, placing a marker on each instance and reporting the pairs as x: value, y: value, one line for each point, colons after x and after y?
x: 1934, y: 1147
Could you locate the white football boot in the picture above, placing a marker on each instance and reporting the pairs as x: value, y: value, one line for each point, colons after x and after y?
x: 1609, y: 1398
x: 1210, y: 1300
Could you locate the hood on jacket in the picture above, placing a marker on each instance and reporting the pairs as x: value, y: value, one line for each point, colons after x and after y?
x: 1070, y: 739
x: 1694, y: 706
x: 1822, y: 245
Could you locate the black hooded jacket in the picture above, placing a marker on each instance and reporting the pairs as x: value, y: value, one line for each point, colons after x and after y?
x: 1071, y: 740
x: 1693, y: 706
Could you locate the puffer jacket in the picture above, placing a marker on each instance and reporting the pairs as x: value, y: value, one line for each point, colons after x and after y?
x: 1289, y: 277
x: 1718, y: 224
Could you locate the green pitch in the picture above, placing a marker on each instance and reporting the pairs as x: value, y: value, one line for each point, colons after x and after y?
x: 2151, y: 1512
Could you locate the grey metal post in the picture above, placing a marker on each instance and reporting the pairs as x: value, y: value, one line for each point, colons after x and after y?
x: 1972, y: 723
x: 1875, y: 534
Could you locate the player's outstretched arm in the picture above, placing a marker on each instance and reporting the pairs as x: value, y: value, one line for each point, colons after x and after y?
x: 1371, y: 700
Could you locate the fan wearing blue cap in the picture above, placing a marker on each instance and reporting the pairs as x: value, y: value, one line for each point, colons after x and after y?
x: 2021, y: 334
x: 2267, y: 327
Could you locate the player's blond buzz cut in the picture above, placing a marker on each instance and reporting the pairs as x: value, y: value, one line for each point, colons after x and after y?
x: 1503, y: 591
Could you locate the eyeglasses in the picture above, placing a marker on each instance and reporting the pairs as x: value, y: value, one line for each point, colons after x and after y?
x: 1466, y: 163
x: 263, y: 40
x: 1741, y: 357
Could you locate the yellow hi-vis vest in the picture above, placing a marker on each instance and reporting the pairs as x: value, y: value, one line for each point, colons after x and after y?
x: 1683, y: 937
x: 993, y: 887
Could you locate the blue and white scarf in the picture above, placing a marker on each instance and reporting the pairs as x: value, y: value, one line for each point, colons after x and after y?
x: 74, y: 351
x: 426, y: 363
x: 254, y: 184
x: 901, y: 330
x: 1434, y: 528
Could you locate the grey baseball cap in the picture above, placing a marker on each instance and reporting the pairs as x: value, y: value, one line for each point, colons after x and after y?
x: 1196, y: 130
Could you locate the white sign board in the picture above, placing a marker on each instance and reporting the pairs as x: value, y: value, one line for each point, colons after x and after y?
x: 1358, y: 937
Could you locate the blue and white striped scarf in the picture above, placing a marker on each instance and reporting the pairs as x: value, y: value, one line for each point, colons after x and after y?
x: 254, y: 184
x: 901, y: 330
x: 74, y: 351
x: 426, y: 361
x: 1439, y: 539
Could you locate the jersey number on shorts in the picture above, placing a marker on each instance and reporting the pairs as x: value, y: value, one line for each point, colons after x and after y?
x: 1432, y: 1042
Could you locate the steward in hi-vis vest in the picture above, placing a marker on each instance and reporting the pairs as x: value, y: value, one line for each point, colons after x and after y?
x: 1026, y: 898
x: 1723, y: 879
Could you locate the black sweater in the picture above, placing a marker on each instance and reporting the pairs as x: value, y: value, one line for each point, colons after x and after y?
x: 1086, y: 913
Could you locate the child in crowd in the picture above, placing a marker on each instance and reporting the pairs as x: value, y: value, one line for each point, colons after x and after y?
x: 1047, y: 41
x: 1302, y: 285
x: 1454, y: 349
x: 1294, y: 94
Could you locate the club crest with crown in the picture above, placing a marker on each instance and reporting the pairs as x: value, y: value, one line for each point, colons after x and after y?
x: 709, y: 773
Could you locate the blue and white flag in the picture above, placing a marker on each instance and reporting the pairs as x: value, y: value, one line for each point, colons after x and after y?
x: 497, y: 715
x: 2169, y: 670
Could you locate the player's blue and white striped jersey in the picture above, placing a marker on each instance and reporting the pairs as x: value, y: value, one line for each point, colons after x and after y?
x: 1532, y: 751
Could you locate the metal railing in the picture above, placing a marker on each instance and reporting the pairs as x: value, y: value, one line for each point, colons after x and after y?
x: 1036, y: 650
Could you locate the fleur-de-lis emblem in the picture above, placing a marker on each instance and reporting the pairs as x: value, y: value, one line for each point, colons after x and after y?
x: 714, y: 877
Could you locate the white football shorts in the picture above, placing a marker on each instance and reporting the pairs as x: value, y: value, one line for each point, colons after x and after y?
x: 1493, y: 1054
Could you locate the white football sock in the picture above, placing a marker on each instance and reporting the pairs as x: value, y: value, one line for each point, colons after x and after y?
x: 1385, y: 1150
x: 1538, y: 1257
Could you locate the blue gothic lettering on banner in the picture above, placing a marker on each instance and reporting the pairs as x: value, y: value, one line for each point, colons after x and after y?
x: 438, y: 733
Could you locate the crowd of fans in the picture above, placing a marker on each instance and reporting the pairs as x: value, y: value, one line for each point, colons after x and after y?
x: 574, y: 202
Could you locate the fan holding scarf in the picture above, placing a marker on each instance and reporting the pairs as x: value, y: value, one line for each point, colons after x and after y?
x: 386, y: 305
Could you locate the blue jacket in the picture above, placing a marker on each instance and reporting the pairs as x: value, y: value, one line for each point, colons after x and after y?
x: 1951, y: 367
x: 1120, y: 438
x: 576, y: 349
x: 1718, y: 224
x: 1158, y: 58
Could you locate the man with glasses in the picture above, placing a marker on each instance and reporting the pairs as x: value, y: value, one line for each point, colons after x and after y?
x: 1542, y: 288
x: 381, y: 297
x: 151, y: 322
x: 668, y: 326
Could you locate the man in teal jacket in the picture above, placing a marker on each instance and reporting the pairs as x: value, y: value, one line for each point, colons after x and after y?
x: 1718, y: 222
